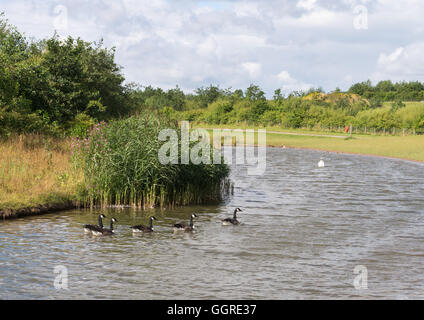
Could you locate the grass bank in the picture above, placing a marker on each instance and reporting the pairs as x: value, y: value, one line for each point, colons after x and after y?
x: 118, y: 164
x: 409, y: 147
x: 35, y: 172
x: 402, y: 147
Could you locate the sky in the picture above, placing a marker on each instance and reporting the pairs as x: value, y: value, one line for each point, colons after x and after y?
x: 286, y: 44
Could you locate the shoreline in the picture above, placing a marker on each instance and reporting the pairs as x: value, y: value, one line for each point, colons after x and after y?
x: 348, y: 153
x: 9, y: 214
x: 408, y: 148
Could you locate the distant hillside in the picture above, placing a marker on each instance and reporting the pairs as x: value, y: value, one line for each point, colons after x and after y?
x: 335, y: 98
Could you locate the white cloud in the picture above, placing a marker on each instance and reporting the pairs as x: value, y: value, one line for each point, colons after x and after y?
x: 404, y: 63
x: 306, y: 4
x: 284, y: 76
x: 164, y: 43
x: 387, y: 59
x: 288, y: 83
x: 252, y: 68
x: 246, y: 9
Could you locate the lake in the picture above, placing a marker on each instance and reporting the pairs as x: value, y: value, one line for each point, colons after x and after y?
x: 303, y: 232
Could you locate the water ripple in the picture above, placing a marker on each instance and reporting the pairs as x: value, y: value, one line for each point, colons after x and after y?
x: 303, y: 231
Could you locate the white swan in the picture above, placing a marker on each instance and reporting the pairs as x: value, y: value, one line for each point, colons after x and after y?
x: 321, y: 164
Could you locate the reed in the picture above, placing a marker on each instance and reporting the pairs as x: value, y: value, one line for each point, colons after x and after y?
x: 121, y: 167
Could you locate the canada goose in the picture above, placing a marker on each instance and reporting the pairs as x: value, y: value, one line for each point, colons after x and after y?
x: 105, y: 231
x: 233, y: 220
x: 184, y: 227
x: 88, y: 228
x: 141, y: 228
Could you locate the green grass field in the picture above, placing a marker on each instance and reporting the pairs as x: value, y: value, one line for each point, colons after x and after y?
x: 409, y: 147
x: 402, y: 147
x: 417, y: 104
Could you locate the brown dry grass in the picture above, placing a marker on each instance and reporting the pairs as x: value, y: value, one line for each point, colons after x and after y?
x: 36, y: 170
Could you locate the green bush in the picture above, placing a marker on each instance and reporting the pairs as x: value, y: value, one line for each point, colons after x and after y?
x: 80, y: 126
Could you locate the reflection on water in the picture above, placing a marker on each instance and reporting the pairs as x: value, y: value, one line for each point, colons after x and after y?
x: 303, y: 231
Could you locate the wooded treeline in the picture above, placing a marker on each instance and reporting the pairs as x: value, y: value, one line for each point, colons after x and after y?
x: 63, y: 87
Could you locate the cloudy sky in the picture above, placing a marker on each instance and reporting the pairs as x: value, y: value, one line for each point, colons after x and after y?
x: 288, y: 44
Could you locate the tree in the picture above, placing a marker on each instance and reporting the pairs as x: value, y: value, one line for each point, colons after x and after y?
x: 396, y: 105
x: 278, y: 95
x: 362, y: 89
x: 376, y: 102
x: 384, y: 86
x: 60, y: 78
x: 176, y: 98
x: 82, y: 77
x: 207, y: 95
x: 254, y: 93
x: 238, y: 94
x: 259, y: 107
x: 278, y: 98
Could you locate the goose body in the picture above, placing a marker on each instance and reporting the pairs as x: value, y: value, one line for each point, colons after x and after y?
x: 89, y: 228
x: 105, y: 231
x: 184, y: 227
x: 141, y: 228
x: 233, y: 220
x: 230, y: 221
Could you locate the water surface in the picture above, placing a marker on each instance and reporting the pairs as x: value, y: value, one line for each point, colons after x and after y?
x: 303, y: 231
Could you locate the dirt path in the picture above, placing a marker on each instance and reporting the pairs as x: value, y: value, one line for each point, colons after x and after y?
x: 307, y: 134
x: 292, y: 133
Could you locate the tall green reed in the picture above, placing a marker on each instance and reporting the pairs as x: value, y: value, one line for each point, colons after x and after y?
x: 121, y: 167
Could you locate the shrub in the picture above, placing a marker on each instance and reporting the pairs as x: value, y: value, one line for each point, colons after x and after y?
x: 80, y: 125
